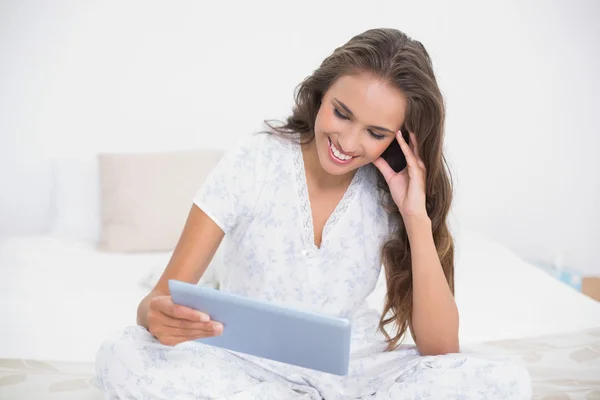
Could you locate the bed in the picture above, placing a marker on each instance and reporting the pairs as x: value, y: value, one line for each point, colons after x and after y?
x: 60, y: 300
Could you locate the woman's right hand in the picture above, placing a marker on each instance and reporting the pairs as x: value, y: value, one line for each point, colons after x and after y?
x: 172, y: 323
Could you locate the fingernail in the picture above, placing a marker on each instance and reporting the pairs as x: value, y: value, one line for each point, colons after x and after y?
x: 204, y: 317
x: 218, y: 328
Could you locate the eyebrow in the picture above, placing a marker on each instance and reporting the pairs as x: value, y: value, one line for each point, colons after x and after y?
x: 371, y: 126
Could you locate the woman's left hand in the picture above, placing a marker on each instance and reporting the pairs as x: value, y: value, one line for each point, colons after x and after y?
x: 407, y: 187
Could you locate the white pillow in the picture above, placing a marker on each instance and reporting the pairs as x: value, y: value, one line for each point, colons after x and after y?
x: 500, y: 296
x: 146, y: 198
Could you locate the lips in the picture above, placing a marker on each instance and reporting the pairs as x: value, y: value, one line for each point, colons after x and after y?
x: 337, y: 156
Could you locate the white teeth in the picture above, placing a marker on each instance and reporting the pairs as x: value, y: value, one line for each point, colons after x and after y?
x: 337, y: 153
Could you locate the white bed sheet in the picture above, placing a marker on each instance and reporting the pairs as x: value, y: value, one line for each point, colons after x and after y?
x: 500, y: 296
x: 59, y: 298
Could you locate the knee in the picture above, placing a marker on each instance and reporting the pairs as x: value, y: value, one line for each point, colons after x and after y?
x: 118, y: 355
x: 508, y: 377
x: 121, y: 344
x: 499, y: 376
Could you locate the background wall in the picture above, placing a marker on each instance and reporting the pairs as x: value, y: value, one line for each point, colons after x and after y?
x: 520, y: 80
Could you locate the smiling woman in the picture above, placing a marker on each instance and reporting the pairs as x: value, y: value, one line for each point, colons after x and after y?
x: 307, y: 213
x: 355, y: 111
x: 341, y: 125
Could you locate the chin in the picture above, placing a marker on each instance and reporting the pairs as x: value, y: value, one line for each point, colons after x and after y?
x: 334, y: 170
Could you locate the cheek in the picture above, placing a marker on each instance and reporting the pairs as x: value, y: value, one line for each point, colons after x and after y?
x: 376, y: 148
x: 326, y: 122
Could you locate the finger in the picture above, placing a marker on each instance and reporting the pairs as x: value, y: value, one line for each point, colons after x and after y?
x: 415, y: 149
x: 162, y: 331
x: 184, y: 324
x: 160, y: 324
x: 415, y: 146
x: 214, y: 330
x: 385, y: 168
x: 411, y: 143
x: 408, y: 153
x: 413, y: 139
x: 189, y: 314
x: 165, y: 305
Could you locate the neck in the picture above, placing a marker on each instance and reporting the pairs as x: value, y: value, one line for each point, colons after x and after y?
x: 316, y: 172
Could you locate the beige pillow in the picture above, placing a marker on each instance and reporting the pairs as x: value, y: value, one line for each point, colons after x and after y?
x: 145, y: 198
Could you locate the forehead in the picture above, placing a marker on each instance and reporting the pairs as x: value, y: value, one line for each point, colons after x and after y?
x: 371, y: 100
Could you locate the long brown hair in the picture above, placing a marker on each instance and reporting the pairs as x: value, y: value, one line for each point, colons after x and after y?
x: 395, y: 58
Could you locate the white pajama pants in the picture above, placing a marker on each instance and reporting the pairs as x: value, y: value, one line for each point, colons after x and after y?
x: 134, y: 365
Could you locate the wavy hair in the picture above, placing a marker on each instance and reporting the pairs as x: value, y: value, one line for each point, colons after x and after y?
x: 394, y: 58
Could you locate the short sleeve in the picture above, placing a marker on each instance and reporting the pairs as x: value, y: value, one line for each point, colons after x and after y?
x: 231, y: 188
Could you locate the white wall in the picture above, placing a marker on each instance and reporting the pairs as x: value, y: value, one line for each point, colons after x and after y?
x: 79, y: 77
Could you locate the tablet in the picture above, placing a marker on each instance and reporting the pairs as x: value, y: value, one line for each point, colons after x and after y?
x: 301, y: 338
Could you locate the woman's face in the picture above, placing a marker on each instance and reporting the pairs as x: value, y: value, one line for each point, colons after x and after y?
x: 357, y: 120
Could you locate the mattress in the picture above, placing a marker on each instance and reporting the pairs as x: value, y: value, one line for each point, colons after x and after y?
x: 562, y: 366
x: 61, y: 298
x: 500, y: 296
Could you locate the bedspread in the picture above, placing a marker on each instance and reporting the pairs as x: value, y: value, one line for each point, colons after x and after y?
x: 562, y: 366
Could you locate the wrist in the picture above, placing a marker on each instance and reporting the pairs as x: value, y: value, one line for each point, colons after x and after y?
x: 417, y: 223
x: 144, y: 307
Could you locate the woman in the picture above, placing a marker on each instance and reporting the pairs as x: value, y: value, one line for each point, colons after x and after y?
x: 308, y: 212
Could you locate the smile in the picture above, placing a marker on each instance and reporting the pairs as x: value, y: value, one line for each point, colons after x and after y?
x: 337, y: 155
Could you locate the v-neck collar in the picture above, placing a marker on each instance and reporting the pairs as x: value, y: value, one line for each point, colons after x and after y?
x: 308, y: 229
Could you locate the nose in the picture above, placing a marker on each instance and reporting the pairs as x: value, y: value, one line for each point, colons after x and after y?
x: 349, y: 143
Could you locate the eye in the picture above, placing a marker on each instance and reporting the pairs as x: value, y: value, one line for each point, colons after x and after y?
x: 376, y: 135
x: 339, y: 114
